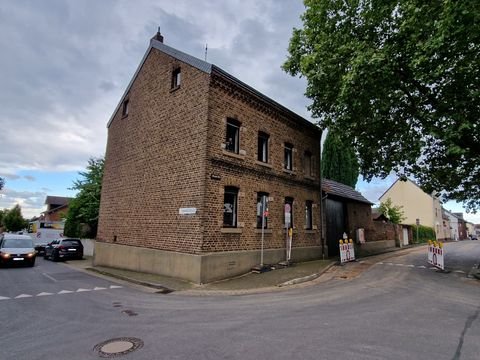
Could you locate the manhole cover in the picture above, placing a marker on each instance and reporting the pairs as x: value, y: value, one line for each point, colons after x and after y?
x: 117, y: 347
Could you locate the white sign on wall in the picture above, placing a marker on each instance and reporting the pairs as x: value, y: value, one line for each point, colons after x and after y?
x: 187, y: 211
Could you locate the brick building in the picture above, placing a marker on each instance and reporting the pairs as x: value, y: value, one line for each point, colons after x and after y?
x: 194, y: 158
x: 57, y: 208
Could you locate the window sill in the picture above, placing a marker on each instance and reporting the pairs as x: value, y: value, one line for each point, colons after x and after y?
x: 175, y: 88
x: 291, y: 172
x: 234, y: 155
x: 310, y: 231
x: 308, y: 177
x: 231, y: 231
x: 264, y: 164
x: 265, y: 231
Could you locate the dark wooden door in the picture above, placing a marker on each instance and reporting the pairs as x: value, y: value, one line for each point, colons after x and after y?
x: 335, y: 221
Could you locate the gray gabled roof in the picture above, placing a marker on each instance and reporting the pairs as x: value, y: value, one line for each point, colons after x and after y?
x: 57, y: 200
x: 342, y: 190
x: 206, y: 68
x: 177, y: 54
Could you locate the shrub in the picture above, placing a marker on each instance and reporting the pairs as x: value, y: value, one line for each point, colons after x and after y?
x: 425, y: 233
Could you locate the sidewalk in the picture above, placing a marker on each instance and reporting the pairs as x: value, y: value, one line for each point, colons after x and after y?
x: 248, y: 283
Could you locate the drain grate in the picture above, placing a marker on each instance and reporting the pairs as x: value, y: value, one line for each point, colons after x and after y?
x: 117, y: 347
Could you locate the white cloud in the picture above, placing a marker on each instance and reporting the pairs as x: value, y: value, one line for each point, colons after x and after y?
x: 31, y: 202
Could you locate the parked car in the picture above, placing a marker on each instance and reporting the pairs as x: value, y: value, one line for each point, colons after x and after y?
x: 62, y: 249
x: 473, y: 237
x: 40, y: 246
x: 17, y: 249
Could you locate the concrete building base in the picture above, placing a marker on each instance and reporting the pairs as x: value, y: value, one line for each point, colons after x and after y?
x: 198, y: 269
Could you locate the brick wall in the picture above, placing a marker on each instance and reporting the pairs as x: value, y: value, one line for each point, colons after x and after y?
x: 169, y: 152
x: 359, y: 215
x: 245, y: 172
x: 155, y: 160
x: 383, y: 231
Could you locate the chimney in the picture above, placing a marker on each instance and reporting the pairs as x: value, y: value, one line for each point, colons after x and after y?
x: 158, y: 36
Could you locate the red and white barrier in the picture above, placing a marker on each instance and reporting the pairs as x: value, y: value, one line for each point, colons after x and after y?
x: 347, y: 251
x: 435, y: 255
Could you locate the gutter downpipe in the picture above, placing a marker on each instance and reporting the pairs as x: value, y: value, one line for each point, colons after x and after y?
x: 322, y: 238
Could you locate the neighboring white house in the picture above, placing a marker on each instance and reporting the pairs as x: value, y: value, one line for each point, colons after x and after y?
x: 453, y: 225
x: 418, y: 205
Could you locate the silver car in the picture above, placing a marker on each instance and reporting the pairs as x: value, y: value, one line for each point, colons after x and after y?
x: 17, y: 249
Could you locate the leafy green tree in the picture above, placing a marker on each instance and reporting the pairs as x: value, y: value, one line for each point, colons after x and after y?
x: 82, y: 218
x: 13, y: 219
x: 2, y: 215
x: 339, y: 161
x: 400, y: 79
x: 392, y: 212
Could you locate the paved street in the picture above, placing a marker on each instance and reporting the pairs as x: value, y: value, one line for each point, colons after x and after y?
x: 394, y: 308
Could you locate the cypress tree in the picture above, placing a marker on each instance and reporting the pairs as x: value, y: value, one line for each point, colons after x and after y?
x: 339, y: 161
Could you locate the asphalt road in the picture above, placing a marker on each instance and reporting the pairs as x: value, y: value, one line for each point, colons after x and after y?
x: 398, y: 308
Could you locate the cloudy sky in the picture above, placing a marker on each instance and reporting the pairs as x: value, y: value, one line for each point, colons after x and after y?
x: 66, y: 63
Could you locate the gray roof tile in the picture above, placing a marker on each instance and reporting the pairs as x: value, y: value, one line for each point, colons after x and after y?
x: 342, y: 190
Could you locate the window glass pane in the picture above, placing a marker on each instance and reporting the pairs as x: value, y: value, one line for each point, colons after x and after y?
x: 308, y: 164
x: 230, y: 207
x: 288, y: 212
x: 308, y: 215
x: 288, y: 157
x: 232, y: 138
x: 263, y: 147
x: 262, y: 210
x: 176, y: 78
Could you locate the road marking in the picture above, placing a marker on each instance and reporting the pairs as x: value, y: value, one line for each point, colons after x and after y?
x: 422, y: 267
x: 433, y: 268
x: 460, y: 271
x: 381, y: 263
x: 410, y: 266
x: 399, y: 264
x: 50, y: 277
x: 64, y: 292
x: 388, y: 264
x: 22, y: 296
